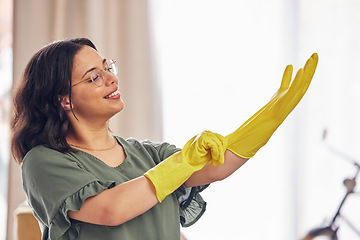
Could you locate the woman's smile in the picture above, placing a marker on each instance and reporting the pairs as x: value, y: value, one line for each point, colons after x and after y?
x: 113, y: 95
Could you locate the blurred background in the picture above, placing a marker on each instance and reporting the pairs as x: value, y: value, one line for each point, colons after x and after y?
x: 193, y: 65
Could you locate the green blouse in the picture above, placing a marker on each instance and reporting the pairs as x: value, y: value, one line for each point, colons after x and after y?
x: 56, y: 182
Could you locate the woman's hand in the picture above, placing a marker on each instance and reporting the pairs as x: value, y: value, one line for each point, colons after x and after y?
x: 171, y: 173
x: 258, y: 129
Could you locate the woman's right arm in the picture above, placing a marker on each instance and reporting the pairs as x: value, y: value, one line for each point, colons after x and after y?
x: 119, y: 204
x: 125, y: 201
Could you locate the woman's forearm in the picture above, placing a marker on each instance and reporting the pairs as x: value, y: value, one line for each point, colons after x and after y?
x: 211, y: 174
x: 119, y: 204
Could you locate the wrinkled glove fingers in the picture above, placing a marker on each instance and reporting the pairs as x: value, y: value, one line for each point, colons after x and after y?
x: 216, y: 144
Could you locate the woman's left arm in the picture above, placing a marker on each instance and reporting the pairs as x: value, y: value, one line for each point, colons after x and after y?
x: 258, y: 129
x: 211, y: 173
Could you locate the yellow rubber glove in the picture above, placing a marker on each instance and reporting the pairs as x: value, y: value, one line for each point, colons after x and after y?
x: 171, y: 173
x: 257, y: 130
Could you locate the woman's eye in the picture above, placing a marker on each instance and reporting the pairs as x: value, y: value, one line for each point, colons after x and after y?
x: 95, y: 75
x: 95, y: 78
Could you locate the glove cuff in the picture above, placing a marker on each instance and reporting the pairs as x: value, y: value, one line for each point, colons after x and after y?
x: 170, y: 174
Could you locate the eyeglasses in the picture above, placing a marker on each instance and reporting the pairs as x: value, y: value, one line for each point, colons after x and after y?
x: 97, y: 75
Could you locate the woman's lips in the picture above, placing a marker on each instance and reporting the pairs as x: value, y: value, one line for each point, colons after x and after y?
x: 113, y: 94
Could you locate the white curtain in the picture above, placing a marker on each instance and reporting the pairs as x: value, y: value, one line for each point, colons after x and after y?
x: 120, y: 31
x: 220, y: 61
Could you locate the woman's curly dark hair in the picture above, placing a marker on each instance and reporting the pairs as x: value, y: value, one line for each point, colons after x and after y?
x: 38, y: 115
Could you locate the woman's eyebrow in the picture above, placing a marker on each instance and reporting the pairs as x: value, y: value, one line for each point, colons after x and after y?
x: 104, y: 60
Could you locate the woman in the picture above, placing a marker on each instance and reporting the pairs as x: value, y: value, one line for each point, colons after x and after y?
x: 85, y: 183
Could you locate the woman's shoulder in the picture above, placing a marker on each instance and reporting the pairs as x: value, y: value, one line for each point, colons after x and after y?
x: 42, y: 150
x: 47, y: 161
x: 43, y: 155
x: 39, y: 151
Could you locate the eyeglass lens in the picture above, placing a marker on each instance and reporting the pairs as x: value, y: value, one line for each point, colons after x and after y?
x: 97, y: 75
x: 111, y: 66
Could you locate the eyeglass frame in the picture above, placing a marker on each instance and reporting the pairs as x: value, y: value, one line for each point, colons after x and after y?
x: 115, y: 71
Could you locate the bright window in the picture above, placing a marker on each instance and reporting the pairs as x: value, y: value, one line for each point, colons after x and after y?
x: 219, y: 61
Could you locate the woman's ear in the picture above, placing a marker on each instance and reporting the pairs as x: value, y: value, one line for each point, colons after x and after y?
x: 65, y: 102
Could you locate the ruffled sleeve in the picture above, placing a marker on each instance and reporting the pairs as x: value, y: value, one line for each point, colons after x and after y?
x: 60, y: 225
x: 192, y: 205
x: 55, y: 183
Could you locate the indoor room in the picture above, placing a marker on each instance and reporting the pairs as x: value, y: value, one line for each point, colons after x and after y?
x: 185, y: 67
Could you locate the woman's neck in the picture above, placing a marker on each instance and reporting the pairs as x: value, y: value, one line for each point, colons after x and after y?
x: 90, y: 137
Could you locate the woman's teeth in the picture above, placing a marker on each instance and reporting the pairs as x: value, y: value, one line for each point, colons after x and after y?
x: 113, y: 94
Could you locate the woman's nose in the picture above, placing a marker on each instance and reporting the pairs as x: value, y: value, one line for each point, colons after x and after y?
x: 110, y: 78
